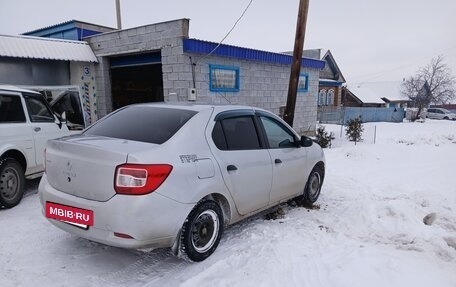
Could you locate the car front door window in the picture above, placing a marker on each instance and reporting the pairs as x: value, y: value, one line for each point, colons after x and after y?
x: 38, y: 110
x: 43, y: 125
x: 277, y: 135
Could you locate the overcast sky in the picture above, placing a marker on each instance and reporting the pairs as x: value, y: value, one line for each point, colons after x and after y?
x: 371, y: 40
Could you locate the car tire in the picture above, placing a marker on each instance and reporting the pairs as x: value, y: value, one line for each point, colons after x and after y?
x: 202, y: 231
x: 313, y: 186
x: 12, y: 182
x: 446, y: 118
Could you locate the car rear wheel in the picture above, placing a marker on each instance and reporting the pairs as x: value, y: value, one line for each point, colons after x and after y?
x: 313, y: 186
x: 202, y: 231
x: 12, y: 182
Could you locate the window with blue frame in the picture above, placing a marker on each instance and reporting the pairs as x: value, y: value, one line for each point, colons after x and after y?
x: 330, y: 98
x: 223, y: 78
x: 322, y: 98
x: 303, y: 83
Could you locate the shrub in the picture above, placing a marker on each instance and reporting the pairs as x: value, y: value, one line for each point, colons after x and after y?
x: 354, y: 130
x: 323, y: 138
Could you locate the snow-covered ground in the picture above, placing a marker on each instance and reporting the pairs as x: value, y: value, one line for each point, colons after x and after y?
x: 368, y: 231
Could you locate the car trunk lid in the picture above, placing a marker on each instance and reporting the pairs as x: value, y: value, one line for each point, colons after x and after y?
x: 84, y: 166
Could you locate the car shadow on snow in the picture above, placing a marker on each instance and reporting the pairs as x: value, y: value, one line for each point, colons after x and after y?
x: 31, y: 186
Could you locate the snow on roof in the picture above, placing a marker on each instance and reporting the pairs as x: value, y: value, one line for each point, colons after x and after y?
x: 329, y: 80
x: 373, y: 92
x: 390, y: 90
x: 45, y: 48
x: 366, y: 95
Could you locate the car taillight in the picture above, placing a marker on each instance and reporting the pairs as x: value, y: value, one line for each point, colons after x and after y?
x: 139, y: 179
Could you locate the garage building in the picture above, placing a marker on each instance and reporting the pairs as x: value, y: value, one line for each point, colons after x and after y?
x: 160, y: 63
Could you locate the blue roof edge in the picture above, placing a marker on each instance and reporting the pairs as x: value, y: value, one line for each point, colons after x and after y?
x: 205, y: 47
x: 330, y: 83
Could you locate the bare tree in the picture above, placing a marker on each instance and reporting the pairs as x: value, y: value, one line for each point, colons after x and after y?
x: 433, y: 84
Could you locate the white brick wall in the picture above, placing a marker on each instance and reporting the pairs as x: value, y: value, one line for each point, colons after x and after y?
x: 263, y: 85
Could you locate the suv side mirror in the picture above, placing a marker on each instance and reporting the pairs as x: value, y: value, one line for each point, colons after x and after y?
x: 306, y: 141
x: 61, y: 120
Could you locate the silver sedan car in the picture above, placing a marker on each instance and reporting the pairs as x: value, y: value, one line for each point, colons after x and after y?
x: 157, y: 175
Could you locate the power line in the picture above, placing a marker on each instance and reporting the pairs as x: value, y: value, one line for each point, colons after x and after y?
x: 378, y: 74
x: 381, y: 73
x: 227, y: 34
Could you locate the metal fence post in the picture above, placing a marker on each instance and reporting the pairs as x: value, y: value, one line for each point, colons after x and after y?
x: 375, y: 133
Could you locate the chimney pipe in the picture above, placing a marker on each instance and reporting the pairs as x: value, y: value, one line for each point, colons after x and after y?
x: 119, y: 22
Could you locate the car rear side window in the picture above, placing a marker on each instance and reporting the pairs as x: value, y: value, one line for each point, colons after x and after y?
x: 142, y: 123
x: 219, y: 137
x: 11, y: 110
x: 237, y: 133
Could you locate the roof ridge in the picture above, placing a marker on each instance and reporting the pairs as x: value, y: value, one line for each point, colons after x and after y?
x: 43, y: 39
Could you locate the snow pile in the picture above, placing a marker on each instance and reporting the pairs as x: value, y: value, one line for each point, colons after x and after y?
x: 368, y: 229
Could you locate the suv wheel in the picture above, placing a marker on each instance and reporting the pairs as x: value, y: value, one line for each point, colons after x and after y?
x: 12, y: 182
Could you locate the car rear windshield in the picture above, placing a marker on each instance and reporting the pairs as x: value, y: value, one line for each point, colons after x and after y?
x: 142, y: 123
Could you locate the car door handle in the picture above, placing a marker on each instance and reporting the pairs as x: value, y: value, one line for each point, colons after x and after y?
x: 37, y: 129
x: 231, y: 168
x: 277, y: 160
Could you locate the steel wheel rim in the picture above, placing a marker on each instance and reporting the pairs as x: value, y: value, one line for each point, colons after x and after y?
x: 9, y: 183
x: 204, y: 231
x: 314, y: 184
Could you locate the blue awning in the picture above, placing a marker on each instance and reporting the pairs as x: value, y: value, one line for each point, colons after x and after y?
x: 205, y: 47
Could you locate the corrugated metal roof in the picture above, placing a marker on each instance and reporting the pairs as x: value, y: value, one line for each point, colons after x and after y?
x: 205, y: 47
x: 45, y: 48
x: 48, y: 27
x: 75, y: 23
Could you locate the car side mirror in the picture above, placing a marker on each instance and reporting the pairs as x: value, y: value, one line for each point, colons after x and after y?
x: 61, y: 120
x: 306, y: 141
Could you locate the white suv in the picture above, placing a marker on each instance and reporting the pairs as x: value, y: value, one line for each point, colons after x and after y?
x: 26, y: 123
x: 440, y: 114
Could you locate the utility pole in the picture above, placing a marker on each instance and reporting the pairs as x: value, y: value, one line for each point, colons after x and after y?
x: 297, y: 59
x: 119, y: 21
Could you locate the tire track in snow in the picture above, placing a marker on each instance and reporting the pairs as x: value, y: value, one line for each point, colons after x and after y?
x: 150, y: 267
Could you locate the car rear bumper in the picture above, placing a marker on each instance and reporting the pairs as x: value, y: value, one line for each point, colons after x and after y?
x: 152, y: 220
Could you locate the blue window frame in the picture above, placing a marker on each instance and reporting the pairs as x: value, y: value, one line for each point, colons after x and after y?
x: 303, y: 83
x: 322, y: 98
x: 330, y: 98
x: 223, y: 78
